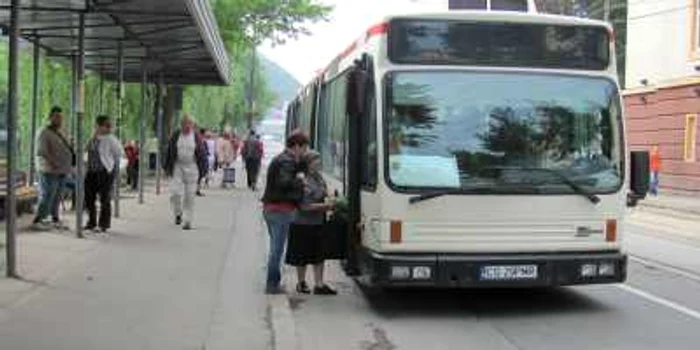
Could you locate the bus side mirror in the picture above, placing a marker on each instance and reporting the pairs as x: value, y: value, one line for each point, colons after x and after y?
x: 639, y: 177
x: 357, y: 85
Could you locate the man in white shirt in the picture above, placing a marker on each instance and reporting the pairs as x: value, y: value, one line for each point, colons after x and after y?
x: 104, y: 154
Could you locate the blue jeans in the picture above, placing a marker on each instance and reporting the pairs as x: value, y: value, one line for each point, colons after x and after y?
x: 278, y: 229
x: 67, y: 188
x: 50, y: 185
x: 654, y: 183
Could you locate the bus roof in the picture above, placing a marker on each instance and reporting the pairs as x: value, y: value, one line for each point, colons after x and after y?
x: 501, y: 16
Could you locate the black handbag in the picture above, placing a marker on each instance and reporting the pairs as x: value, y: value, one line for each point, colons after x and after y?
x: 334, y: 238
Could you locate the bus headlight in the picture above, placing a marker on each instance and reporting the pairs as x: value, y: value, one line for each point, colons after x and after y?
x: 422, y: 272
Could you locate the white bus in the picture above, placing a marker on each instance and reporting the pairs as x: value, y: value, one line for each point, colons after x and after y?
x: 477, y: 149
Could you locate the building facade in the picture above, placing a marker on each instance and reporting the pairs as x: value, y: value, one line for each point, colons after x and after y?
x: 662, y: 95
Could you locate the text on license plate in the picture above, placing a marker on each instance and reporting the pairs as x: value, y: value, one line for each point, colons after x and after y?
x: 508, y: 272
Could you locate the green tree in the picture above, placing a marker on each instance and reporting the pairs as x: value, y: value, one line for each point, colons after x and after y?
x: 245, y: 24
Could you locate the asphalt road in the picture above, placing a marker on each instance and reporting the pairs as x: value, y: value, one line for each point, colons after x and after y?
x: 658, y: 308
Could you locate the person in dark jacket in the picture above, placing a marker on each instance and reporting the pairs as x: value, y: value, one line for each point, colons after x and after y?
x: 252, y: 153
x: 183, y: 160
x: 203, y: 162
x: 284, y: 191
x: 132, y: 169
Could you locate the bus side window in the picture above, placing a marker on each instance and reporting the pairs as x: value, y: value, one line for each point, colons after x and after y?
x: 323, y: 142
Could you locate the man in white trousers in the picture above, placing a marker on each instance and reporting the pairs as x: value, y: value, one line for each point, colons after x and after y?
x: 184, y: 157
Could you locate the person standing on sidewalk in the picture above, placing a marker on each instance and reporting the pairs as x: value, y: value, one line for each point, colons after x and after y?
x: 226, y: 157
x: 306, y: 233
x: 132, y: 169
x: 210, y: 141
x: 183, y: 160
x: 655, y: 167
x: 283, y: 193
x: 55, y: 158
x: 252, y: 156
x: 224, y: 151
x: 203, y: 162
x: 104, y: 154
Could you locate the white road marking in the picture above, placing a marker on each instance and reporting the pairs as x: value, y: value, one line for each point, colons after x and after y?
x: 660, y: 301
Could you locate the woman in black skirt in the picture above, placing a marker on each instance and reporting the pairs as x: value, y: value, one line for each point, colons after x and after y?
x: 304, y: 243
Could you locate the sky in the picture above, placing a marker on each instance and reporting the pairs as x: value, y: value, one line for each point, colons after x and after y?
x: 303, y: 57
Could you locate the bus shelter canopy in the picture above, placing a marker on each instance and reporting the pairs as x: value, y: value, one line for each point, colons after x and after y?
x: 177, y: 38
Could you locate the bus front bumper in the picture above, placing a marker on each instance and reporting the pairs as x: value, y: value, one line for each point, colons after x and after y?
x: 496, y: 270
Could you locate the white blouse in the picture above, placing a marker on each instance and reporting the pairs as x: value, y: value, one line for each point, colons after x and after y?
x: 185, y: 149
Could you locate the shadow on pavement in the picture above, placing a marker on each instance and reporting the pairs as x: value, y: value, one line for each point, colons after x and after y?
x: 492, y: 303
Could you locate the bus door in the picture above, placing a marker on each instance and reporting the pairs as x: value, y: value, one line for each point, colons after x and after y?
x: 361, y: 179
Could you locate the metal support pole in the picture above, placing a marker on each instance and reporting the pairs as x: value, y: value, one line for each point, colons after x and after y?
x: 142, y: 130
x: 12, y: 101
x: 159, y: 129
x: 73, y: 96
x: 80, y: 115
x: 35, y: 112
x: 120, y: 93
x: 606, y: 11
x: 101, y: 91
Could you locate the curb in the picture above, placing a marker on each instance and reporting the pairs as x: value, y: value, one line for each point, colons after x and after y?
x: 284, y: 335
x: 666, y: 210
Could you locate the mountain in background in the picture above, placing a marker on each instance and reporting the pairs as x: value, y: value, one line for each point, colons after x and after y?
x: 280, y: 81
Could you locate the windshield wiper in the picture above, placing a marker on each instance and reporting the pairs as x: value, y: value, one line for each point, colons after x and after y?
x: 432, y: 195
x: 465, y: 190
x: 593, y: 198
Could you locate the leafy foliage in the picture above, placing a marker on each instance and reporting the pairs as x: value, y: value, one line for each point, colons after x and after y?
x: 552, y: 129
x: 243, y: 22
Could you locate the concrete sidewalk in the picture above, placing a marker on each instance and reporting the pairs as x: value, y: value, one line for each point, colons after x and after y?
x: 146, y: 285
x: 680, y: 229
x: 679, y: 205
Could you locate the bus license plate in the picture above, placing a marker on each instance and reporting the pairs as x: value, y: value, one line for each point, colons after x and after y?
x: 509, y: 272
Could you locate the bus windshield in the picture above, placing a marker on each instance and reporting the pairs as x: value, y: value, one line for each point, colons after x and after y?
x: 503, y: 132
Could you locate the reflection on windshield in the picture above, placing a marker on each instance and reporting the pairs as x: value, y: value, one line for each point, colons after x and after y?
x: 483, y: 130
